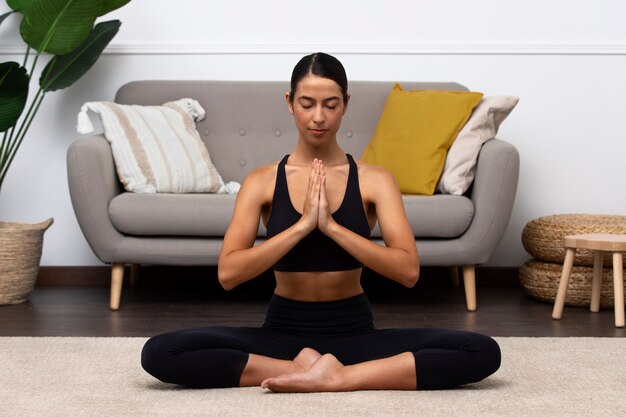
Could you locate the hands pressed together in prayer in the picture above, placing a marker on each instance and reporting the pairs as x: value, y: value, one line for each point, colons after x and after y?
x: 316, y: 212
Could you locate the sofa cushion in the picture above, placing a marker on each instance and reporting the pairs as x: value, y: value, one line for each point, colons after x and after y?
x: 414, y: 132
x: 193, y: 214
x: 438, y: 216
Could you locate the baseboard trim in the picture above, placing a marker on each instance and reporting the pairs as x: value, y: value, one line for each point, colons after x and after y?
x: 100, y: 276
x: 74, y: 276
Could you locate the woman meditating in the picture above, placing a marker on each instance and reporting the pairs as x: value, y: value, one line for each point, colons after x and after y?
x: 319, y: 205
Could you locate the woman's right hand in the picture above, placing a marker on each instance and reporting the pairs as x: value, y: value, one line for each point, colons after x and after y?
x: 310, y: 211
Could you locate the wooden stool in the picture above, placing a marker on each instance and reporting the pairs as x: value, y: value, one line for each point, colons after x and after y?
x: 599, y: 243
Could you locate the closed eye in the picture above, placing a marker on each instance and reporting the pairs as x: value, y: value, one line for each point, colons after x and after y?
x: 305, y: 102
x: 331, y: 103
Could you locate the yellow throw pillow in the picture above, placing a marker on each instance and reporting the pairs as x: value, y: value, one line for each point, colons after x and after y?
x: 414, y: 133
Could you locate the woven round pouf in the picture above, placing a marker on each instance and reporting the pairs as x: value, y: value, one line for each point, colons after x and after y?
x: 543, y: 238
x: 541, y: 281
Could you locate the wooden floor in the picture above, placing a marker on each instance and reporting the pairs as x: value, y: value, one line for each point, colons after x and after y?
x: 150, y: 308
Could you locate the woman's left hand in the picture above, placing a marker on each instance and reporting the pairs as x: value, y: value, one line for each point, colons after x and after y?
x: 324, y: 218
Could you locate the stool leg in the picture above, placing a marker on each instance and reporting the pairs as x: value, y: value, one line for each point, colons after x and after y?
x: 598, y: 261
x: 618, y: 284
x: 559, y: 302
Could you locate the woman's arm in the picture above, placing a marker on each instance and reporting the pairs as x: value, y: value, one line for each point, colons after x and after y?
x: 398, y: 259
x: 240, y: 260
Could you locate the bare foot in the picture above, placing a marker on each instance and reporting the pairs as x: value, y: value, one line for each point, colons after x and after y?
x: 324, y: 375
x: 305, y: 359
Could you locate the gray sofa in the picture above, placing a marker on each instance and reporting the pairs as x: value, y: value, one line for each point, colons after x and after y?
x: 247, y: 124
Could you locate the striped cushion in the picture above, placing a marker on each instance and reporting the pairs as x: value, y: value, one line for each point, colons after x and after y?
x: 157, y: 149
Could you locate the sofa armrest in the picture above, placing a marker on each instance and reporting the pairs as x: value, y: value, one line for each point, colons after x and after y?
x: 93, y: 183
x: 493, y: 194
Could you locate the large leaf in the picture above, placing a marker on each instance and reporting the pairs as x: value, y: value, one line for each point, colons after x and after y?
x: 20, y: 5
x: 63, y: 71
x: 13, y: 93
x: 110, y: 5
x: 59, y: 26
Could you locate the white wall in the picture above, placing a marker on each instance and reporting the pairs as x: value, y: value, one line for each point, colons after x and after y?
x: 566, y: 60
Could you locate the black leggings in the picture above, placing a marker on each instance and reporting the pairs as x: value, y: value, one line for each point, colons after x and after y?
x: 215, y: 356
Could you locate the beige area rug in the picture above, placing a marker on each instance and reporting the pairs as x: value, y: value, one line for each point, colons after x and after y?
x: 102, y: 377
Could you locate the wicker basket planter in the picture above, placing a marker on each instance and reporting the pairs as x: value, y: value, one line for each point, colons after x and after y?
x: 20, y: 253
x: 541, y: 281
x: 543, y: 237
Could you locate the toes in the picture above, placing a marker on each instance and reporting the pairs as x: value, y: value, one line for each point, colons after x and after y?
x: 280, y: 383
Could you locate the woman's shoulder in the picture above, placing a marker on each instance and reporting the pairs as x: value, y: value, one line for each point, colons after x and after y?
x: 374, y: 173
x: 376, y: 182
x: 260, y: 181
x: 262, y: 173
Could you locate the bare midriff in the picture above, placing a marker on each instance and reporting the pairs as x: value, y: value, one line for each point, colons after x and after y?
x: 318, y: 286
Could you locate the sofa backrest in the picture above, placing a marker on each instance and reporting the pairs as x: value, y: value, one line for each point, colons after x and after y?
x: 247, y: 123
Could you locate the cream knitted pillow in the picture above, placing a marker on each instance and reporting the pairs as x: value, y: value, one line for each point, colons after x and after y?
x: 482, y: 126
x: 156, y: 149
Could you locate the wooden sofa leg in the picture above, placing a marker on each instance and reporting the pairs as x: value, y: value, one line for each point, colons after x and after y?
x: 117, y: 279
x: 134, y: 275
x: 469, y: 280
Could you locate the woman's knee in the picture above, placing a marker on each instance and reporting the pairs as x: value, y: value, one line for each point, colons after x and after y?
x: 488, y: 355
x: 154, y: 357
x: 164, y: 358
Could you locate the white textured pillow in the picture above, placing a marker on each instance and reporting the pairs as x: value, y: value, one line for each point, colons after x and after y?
x: 156, y: 149
x: 460, y: 167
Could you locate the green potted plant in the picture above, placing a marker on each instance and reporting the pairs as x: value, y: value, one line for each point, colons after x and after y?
x: 66, y: 33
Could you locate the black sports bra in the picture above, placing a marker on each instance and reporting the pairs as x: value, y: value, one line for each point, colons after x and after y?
x: 316, y: 251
